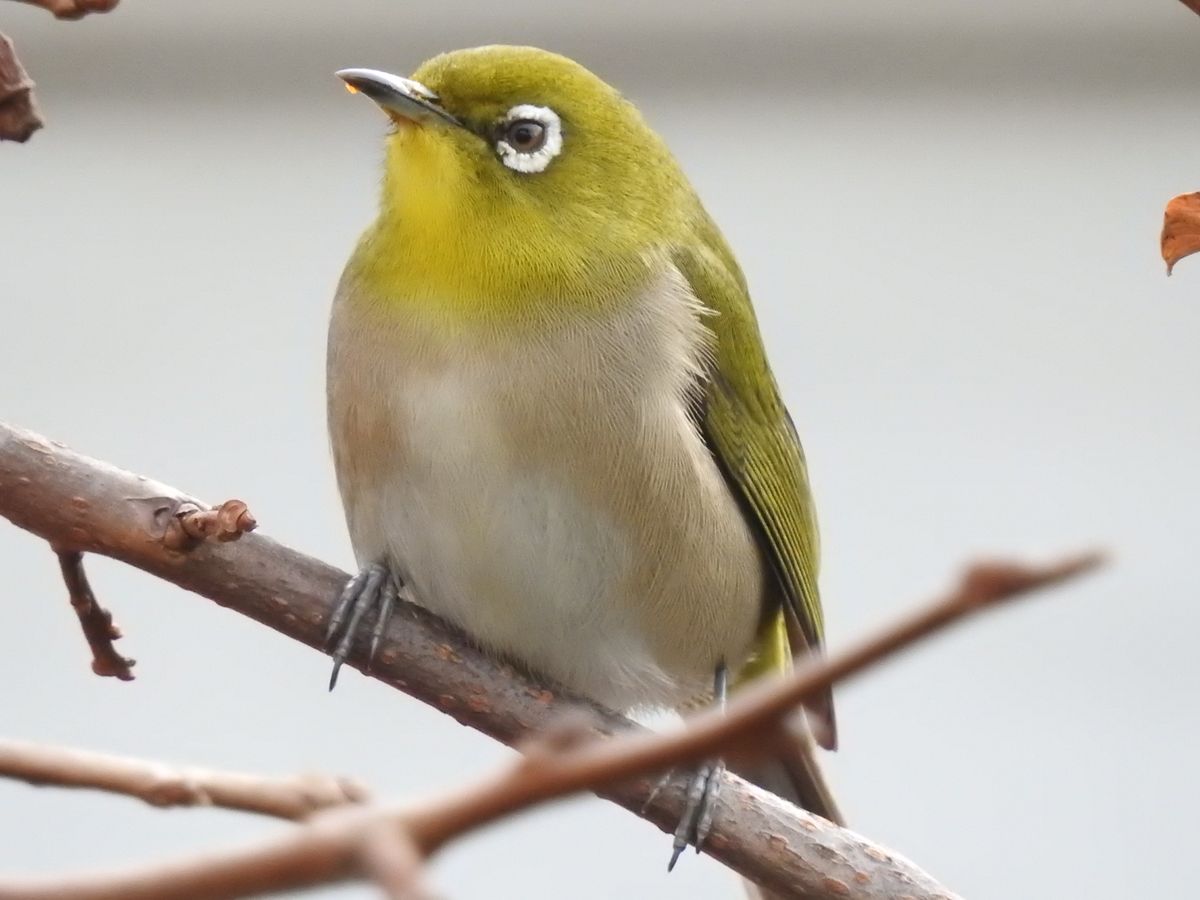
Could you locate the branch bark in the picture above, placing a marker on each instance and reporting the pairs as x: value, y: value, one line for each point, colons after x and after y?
x: 99, y: 630
x: 391, y: 845
x: 90, y: 506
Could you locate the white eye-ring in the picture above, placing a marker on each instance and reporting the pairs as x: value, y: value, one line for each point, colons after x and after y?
x: 529, y: 137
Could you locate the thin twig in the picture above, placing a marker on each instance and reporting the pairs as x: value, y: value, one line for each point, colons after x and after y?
x: 19, y: 114
x: 158, y: 784
x: 97, y: 622
x: 191, y: 525
x: 749, y: 721
x: 553, y: 768
x: 19, y: 117
x: 760, y: 836
x: 72, y: 9
x: 187, y: 527
x: 392, y: 861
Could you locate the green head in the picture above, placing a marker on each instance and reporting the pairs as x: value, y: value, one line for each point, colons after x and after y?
x: 517, y: 181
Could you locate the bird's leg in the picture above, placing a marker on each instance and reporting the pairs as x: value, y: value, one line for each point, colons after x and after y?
x: 373, y: 587
x: 703, y: 788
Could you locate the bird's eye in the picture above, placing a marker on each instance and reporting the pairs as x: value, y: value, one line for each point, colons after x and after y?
x: 525, y: 135
x: 528, y: 137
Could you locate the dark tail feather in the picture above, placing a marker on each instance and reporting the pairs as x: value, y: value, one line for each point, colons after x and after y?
x: 793, y: 775
x: 821, y: 720
x: 819, y: 709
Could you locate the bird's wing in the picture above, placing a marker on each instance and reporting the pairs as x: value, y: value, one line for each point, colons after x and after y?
x: 752, y: 437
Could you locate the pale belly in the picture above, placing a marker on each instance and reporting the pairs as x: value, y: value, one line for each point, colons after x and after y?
x: 592, y: 538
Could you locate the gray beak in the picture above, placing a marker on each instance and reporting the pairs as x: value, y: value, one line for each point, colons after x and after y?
x: 398, y: 96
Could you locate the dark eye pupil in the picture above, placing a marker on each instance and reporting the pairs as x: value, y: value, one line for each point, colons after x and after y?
x: 526, y: 136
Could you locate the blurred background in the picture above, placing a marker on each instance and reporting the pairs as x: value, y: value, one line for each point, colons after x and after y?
x: 948, y: 213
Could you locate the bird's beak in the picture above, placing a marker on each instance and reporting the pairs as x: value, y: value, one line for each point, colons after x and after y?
x: 399, y: 97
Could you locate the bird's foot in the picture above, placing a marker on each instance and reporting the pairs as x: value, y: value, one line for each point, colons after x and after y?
x: 374, y: 587
x: 663, y: 782
x: 703, y: 788
x: 696, y: 821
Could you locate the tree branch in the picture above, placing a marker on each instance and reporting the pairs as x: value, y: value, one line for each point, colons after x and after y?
x: 63, y: 496
x: 19, y: 114
x: 391, y: 845
x: 158, y: 784
x: 99, y: 630
x: 19, y: 117
x: 72, y: 9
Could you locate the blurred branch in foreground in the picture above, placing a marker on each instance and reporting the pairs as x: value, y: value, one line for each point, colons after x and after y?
x: 72, y: 9
x: 86, y: 506
x: 164, y: 785
x: 390, y: 845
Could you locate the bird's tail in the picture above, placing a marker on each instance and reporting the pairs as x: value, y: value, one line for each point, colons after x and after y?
x: 793, y: 772
x: 794, y: 775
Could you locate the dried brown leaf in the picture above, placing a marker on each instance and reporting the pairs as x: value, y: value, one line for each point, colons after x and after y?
x: 1181, y: 229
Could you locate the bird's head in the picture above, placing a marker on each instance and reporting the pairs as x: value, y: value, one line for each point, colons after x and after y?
x: 516, y: 177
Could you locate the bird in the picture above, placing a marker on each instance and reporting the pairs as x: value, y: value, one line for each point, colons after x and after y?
x: 552, y: 417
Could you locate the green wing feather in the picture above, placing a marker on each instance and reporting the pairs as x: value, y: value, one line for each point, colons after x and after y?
x: 752, y: 436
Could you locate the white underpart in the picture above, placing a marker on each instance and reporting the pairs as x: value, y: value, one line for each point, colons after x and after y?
x: 516, y: 487
x: 537, y: 160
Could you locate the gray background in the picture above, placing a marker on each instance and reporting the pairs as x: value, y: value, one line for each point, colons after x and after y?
x: 948, y: 213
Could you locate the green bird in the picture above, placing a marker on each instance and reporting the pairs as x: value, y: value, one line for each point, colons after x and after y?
x: 551, y: 413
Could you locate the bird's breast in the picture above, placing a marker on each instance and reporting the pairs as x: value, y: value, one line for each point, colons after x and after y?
x: 548, y: 491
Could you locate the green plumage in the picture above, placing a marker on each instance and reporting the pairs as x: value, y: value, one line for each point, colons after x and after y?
x: 513, y: 361
x: 751, y: 434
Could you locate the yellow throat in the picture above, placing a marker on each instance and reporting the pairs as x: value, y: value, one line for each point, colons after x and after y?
x: 459, y: 237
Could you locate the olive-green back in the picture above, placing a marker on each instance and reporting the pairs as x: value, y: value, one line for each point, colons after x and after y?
x: 752, y: 436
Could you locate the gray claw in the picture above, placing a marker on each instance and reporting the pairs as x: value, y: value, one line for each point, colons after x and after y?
x: 676, y: 851
x: 708, y: 807
x: 345, y: 600
x: 387, y: 604
x: 703, y: 789
x: 696, y: 821
x: 700, y: 794
x: 657, y: 789
x: 371, y: 587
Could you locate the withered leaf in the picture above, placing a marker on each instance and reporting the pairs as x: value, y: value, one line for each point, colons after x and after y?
x: 1181, y: 229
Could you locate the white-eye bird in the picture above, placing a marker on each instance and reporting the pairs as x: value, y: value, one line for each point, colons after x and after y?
x: 551, y: 414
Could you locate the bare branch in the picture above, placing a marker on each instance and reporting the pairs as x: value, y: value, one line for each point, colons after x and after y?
x: 392, y: 861
x: 749, y: 722
x: 19, y: 114
x: 187, y: 526
x: 97, y: 622
x: 192, y: 525
x: 391, y: 845
x: 158, y: 784
x: 307, y: 856
x: 72, y: 9
x: 19, y: 117
x: 766, y: 839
